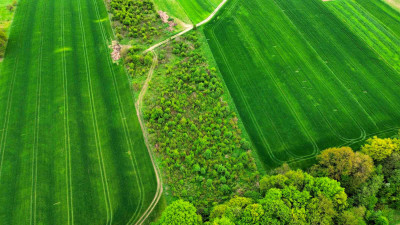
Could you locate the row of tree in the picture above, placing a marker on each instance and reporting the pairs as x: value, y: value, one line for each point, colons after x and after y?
x: 343, y: 187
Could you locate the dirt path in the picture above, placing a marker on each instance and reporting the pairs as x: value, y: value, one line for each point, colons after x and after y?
x: 189, y: 28
x: 138, y: 105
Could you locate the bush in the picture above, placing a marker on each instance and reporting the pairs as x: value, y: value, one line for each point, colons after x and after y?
x: 3, y: 42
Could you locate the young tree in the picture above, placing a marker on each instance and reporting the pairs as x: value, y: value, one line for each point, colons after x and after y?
x: 179, y: 212
x: 379, y: 149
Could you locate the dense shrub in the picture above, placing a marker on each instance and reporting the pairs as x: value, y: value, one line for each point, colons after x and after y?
x: 204, y: 156
x: 136, y: 19
x: 3, y: 42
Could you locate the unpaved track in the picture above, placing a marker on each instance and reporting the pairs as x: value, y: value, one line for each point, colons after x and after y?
x: 139, y: 102
x: 138, y: 105
x: 189, y: 28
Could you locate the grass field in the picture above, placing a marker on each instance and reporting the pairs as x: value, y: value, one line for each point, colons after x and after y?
x: 192, y: 12
x: 71, y: 147
x: 5, y: 14
x: 308, y: 75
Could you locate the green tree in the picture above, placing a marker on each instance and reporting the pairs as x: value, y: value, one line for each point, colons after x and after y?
x: 353, y: 216
x: 342, y: 164
x: 379, y: 148
x: 3, y: 42
x: 179, y: 212
x: 252, y: 214
x: 294, y: 197
x: 222, y: 221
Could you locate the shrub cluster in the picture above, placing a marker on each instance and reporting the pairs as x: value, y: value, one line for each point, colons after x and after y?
x: 204, y: 157
x: 136, y: 19
x: 3, y: 42
x: 137, y: 65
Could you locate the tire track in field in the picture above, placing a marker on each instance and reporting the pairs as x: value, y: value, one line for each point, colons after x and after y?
x: 269, y: 150
x: 330, y: 70
x: 283, y: 95
x: 95, y: 126
x: 241, y: 94
x: 35, y: 148
x: 366, y: 22
x: 383, y: 59
x: 286, y: 98
x: 376, y: 19
x: 333, y: 73
x: 362, y: 131
x: 123, y: 120
x: 67, y: 144
x: 10, y: 98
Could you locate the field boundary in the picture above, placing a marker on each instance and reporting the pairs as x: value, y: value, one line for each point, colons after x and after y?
x: 123, y: 121
x: 9, y: 104
x: 138, y: 106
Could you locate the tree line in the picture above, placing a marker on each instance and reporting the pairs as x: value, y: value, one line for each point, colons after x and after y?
x: 344, y: 187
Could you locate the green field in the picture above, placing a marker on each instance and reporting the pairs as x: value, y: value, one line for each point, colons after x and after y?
x: 308, y: 75
x: 71, y: 147
x: 193, y: 11
x: 5, y: 14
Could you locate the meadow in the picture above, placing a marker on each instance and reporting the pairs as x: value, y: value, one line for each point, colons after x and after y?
x: 308, y: 75
x: 71, y: 147
x: 6, y: 14
x: 191, y: 12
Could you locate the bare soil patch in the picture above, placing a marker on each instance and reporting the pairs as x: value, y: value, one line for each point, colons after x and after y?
x: 394, y: 3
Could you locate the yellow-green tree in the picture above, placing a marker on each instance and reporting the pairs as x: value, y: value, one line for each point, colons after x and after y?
x: 180, y: 212
x: 344, y: 165
x: 379, y: 148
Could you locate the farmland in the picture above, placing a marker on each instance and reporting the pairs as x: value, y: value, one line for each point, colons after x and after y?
x: 71, y: 147
x: 307, y: 75
x: 189, y: 11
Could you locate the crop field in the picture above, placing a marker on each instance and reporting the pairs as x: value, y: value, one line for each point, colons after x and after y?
x: 383, y: 12
x: 71, y: 147
x: 193, y: 11
x: 308, y: 75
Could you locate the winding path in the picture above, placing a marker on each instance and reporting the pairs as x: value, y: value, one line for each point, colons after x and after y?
x: 139, y: 102
x: 189, y: 28
x: 139, y: 113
